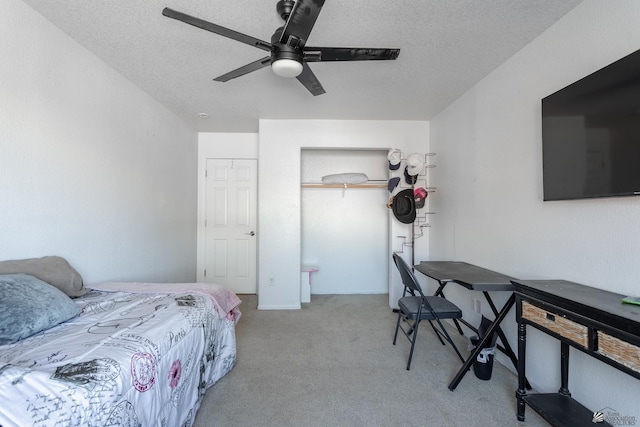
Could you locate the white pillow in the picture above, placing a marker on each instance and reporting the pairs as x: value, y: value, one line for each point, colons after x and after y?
x: 345, y: 178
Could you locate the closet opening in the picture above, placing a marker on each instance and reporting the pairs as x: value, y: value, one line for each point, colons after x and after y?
x: 345, y: 229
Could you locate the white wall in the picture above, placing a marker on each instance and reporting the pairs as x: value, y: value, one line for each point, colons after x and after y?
x: 489, y: 177
x: 279, y: 201
x: 93, y: 169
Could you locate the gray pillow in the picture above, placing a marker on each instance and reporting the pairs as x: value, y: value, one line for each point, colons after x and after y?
x: 28, y: 305
x: 54, y: 270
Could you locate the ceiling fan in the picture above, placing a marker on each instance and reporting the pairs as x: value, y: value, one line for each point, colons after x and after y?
x: 288, y: 53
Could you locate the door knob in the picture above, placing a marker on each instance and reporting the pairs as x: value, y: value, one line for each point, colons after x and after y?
x: 251, y: 233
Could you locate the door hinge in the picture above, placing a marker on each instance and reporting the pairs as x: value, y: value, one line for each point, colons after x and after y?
x: 206, y: 173
x: 205, y: 272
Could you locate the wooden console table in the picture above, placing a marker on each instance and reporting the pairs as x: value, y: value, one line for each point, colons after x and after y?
x: 591, y: 320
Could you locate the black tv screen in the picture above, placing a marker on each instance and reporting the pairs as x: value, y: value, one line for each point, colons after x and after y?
x: 591, y: 135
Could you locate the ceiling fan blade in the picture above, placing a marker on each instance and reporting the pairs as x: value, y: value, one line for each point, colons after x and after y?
x: 217, y: 29
x: 256, y: 65
x: 301, y: 20
x: 321, y: 54
x: 310, y: 81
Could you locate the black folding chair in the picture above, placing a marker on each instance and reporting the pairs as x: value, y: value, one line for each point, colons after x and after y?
x: 417, y: 306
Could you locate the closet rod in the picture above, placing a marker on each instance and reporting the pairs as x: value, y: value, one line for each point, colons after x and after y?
x: 321, y: 185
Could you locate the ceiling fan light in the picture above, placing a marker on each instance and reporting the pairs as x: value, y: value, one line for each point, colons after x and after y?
x: 286, y: 68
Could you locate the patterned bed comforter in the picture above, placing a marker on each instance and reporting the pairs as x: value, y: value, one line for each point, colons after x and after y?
x: 129, y: 359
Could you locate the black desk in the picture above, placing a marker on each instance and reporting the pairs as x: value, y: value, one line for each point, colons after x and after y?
x: 476, y: 279
x: 591, y: 320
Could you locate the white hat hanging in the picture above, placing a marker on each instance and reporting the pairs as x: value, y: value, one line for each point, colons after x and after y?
x: 415, y: 164
x: 394, y: 158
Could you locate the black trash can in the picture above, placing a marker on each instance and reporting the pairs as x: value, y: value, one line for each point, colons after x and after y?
x: 483, y: 365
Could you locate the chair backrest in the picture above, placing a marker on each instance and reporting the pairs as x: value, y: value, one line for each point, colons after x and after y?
x: 410, y: 282
x: 408, y: 278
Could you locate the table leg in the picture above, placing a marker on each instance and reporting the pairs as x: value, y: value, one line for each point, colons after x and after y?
x: 440, y: 293
x: 440, y: 290
x: 503, y: 338
x: 522, y: 351
x: 467, y: 364
x: 564, y: 369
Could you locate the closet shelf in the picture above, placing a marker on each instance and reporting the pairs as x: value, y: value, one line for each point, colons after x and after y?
x: 321, y: 185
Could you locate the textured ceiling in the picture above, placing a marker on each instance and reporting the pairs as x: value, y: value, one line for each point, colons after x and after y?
x: 446, y: 47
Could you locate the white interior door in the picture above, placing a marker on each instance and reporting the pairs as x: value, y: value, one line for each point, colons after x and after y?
x: 230, y: 224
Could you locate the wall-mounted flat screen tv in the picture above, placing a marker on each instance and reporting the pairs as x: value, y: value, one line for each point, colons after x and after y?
x: 591, y: 135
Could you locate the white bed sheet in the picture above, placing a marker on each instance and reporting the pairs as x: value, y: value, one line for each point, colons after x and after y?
x: 129, y: 359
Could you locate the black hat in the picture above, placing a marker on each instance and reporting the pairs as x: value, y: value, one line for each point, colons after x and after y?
x: 409, y: 179
x: 404, y: 206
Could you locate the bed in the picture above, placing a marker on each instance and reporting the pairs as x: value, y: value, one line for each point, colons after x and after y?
x: 130, y: 354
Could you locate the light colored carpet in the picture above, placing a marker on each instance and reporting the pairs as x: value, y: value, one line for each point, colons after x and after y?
x: 333, y: 364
